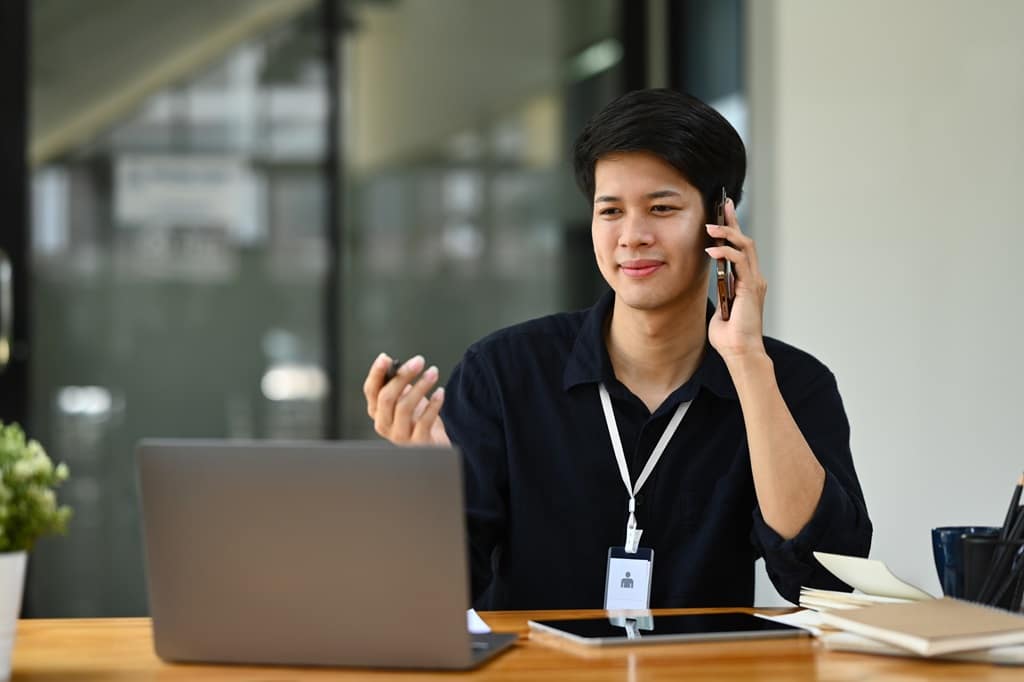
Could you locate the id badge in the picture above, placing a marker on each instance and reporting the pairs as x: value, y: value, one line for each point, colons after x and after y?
x: 628, y: 578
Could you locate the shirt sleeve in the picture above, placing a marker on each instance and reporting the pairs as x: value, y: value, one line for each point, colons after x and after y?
x: 472, y: 417
x: 840, y: 522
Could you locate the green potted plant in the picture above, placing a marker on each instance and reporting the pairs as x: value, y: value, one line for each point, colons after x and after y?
x: 28, y: 510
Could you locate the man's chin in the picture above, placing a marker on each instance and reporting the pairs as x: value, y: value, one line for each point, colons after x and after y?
x: 649, y: 300
x: 646, y: 302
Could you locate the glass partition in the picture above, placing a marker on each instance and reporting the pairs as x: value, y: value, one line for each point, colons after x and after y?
x: 181, y: 190
x: 179, y: 274
x: 461, y: 213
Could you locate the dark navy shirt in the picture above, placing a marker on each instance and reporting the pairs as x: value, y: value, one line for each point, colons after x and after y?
x: 545, y: 500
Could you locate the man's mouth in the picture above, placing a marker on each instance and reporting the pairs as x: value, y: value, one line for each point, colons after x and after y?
x: 640, y: 268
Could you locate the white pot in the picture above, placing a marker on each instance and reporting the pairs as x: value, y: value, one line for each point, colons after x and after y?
x: 12, y: 583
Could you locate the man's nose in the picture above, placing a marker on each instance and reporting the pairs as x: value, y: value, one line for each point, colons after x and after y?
x: 635, y: 232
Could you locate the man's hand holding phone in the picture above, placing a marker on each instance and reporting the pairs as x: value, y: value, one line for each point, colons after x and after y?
x: 724, y: 277
x: 743, y: 332
x: 397, y: 401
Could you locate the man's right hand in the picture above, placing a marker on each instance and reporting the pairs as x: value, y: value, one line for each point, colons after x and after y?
x: 399, y: 408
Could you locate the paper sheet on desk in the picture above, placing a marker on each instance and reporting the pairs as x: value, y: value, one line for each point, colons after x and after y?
x: 869, y: 576
x: 475, y: 623
x: 805, y: 619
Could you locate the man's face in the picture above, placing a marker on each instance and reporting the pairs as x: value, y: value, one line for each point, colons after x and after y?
x: 648, y: 231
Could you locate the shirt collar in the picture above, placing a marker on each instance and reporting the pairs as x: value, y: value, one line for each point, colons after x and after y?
x: 588, y: 362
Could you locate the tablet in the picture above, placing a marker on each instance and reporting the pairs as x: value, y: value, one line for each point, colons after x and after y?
x: 653, y: 629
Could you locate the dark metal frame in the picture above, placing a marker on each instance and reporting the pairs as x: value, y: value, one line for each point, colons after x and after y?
x: 683, y: 21
x: 332, y: 12
x: 676, y: 52
x: 634, y: 44
x: 14, y: 198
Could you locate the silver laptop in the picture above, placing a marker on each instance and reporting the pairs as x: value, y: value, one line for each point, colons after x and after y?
x: 328, y: 553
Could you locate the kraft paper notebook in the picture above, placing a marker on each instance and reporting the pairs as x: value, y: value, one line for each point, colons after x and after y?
x: 847, y: 641
x: 932, y: 627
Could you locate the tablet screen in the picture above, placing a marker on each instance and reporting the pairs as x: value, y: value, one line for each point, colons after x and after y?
x: 707, y: 626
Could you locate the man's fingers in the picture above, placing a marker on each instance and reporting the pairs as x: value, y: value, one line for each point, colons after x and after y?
x: 438, y: 434
x: 746, y: 275
x: 747, y: 243
x: 407, y: 403
x: 400, y: 408
x: 421, y: 406
x: 425, y: 425
x: 730, y: 214
x: 737, y: 257
x: 740, y: 241
x: 374, y: 381
x: 388, y: 397
x: 731, y: 234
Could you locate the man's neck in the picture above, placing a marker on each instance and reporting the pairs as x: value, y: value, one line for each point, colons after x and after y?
x: 653, y: 352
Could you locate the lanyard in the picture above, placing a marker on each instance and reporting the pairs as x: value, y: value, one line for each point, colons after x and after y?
x: 632, y: 532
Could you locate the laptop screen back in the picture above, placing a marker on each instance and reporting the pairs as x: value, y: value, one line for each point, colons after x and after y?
x: 305, y: 553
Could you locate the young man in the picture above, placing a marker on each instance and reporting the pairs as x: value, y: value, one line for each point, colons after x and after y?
x: 759, y: 464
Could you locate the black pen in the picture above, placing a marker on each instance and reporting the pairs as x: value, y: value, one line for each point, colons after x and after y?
x: 392, y: 370
x: 991, y: 580
x: 1015, y: 570
x: 1001, y: 560
x: 1018, y: 593
x: 1011, y: 512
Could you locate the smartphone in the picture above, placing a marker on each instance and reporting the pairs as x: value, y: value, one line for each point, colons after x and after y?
x: 726, y: 279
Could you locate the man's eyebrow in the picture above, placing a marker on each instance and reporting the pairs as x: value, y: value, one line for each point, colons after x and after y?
x: 660, y: 194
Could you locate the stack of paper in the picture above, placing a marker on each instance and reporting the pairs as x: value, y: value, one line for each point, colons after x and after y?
x: 892, y: 617
x: 822, y: 600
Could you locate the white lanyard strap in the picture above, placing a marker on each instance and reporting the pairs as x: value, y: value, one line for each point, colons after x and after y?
x: 632, y: 532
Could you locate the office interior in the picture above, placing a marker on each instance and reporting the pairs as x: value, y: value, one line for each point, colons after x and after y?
x: 217, y: 213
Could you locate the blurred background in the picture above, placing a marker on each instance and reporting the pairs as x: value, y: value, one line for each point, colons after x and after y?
x: 218, y: 212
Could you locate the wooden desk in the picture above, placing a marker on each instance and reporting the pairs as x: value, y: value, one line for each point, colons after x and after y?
x: 120, y: 649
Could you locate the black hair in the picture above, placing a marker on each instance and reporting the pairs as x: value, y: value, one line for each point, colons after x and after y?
x: 687, y: 133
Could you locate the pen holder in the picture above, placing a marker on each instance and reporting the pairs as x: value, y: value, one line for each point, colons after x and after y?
x: 978, y: 555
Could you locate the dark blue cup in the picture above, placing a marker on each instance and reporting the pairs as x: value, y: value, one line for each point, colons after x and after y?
x: 947, y: 547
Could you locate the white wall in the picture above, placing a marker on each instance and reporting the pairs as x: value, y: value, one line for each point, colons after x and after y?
x: 887, y: 161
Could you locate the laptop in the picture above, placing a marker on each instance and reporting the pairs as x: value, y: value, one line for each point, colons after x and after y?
x: 308, y: 553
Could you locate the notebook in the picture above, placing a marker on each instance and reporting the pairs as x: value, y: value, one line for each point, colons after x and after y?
x: 847, y: 641
x: 932, y: 627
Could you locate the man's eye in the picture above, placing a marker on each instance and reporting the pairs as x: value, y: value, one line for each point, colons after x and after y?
x: 661, y: 208
x: 611, y: 210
